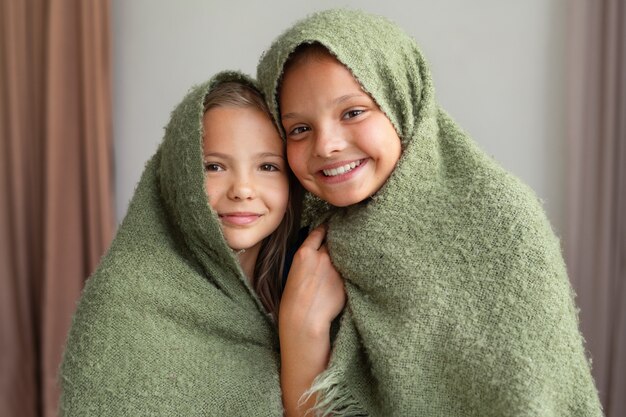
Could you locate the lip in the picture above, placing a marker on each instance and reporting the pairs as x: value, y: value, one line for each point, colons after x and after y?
x: 239, y: 218
x: 341, y: 177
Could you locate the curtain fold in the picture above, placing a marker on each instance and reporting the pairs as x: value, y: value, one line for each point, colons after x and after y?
x: 596, y: 230
x: 56, y: 217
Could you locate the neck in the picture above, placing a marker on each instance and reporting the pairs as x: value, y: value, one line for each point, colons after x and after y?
x: 247, y: 260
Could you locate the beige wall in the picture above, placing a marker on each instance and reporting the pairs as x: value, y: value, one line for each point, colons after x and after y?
x: 498, y: 69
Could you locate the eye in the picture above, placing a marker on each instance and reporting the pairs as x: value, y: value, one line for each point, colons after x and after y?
x: 212, y: 167
x: 269, y: 167
x: 352, y: 114
x: 298, y: 130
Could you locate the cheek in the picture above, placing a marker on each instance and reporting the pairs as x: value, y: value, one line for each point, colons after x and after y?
x: 388, y: 147
x: 275, y: 193
x: 282, y: 196
x: 212, y: 192
x: 297, y: 158
x: 393, y: 149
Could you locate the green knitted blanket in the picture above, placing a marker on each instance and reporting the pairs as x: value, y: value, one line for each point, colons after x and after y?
x: 458, y: 299
x: 168, y: 325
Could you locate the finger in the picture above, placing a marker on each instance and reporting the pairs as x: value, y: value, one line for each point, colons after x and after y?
x: 315, y: 238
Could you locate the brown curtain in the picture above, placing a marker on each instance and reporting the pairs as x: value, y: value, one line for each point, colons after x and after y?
x: 56, y: 209
x: 596, y: 230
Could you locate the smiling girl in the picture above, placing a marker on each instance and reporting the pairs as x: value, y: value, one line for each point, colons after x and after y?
x: 247, y: 183
x: 341, y: 146
x: 458, y: 302
x: 180, y: 317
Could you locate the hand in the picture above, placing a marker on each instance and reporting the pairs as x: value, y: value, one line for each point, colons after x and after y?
x: 314, y: 294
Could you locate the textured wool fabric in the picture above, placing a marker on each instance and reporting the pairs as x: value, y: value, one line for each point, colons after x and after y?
x: 458, y: 298
x: 168, y: 324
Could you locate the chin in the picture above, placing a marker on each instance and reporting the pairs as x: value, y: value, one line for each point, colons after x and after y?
x: 344, y: 201
x: 341, y: 203
x: 239, y: 246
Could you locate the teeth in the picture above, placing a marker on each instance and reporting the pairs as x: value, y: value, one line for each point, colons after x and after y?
x: 342, y: 169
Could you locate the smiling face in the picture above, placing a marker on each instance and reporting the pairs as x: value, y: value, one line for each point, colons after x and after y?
x: 340, y: 145
x: 246, y: 174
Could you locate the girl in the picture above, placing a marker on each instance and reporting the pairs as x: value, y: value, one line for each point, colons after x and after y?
x: 458, y: 299
x: 179, y: 318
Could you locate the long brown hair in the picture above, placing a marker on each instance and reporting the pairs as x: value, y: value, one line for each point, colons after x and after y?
x: 267, y: 281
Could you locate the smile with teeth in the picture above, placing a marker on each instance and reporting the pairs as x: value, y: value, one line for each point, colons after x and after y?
x: 341, y: 169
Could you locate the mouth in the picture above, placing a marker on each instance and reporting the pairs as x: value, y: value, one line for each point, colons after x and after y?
x: 239, y: 218
x: 342, y: 169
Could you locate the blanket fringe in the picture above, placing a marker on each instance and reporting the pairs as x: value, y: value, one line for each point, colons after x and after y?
x: 333, y: 397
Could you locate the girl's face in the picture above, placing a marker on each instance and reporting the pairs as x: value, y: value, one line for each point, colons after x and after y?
x: 246, y: 174
x: 340, y: 145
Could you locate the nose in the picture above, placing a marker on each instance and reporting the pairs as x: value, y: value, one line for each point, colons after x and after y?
x: 328, y: 141
x: 241, y: 188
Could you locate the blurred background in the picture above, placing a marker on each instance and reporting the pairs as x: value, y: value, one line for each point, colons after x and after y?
x: 86, y: 88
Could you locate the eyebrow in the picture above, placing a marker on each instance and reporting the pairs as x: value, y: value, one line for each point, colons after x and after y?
x: 258, y: 155
x: 336, y: 101
x: 347, y: 97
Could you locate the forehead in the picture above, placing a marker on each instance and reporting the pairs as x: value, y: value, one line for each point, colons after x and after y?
x: 318, y: 73
x: 306, y: 52
x: 239, y: 128
x: 319, y: 86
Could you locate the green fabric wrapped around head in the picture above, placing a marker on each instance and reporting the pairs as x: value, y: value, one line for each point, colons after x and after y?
x: 458, y: 299
x: 362, y: 43
x: 168, y: 325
